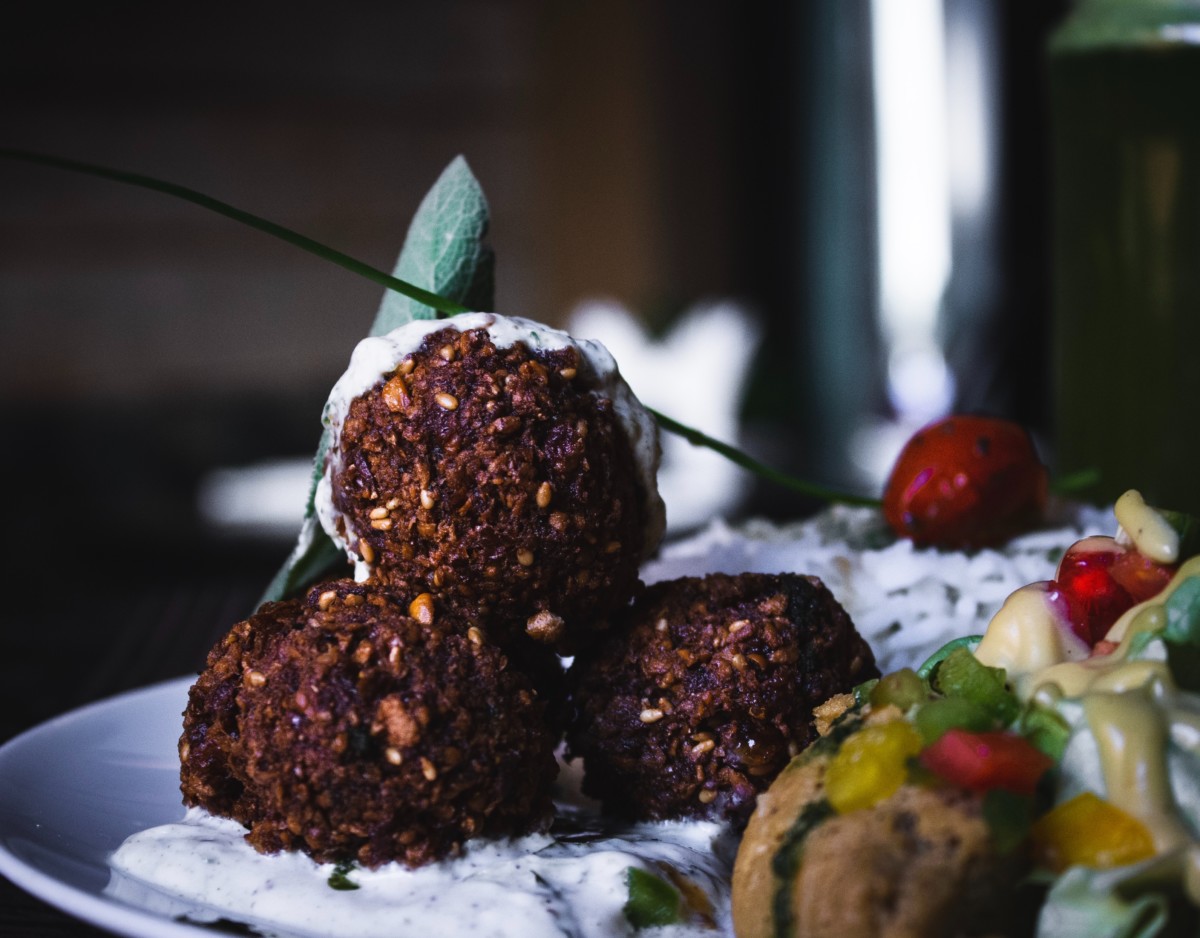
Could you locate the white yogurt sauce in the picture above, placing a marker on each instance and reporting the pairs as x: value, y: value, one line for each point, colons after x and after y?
x: 566, y: 883
x: 377, y: 356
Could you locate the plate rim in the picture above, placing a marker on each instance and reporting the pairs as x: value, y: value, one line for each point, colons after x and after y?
x: 80, y: 903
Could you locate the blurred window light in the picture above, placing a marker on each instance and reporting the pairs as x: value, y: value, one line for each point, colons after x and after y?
x: 934, y: 86
x: 264, y: 500
x: 920, y: 383
x: 908, y: 51
x: 1181, y: 32
x: 697, y: 373
x: 970, y: 105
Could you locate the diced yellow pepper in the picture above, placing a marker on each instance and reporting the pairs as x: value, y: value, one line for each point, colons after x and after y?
x: 1089, y: 831
x: 870, y: 766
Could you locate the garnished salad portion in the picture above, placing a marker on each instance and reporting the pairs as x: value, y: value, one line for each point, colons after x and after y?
x: 1043, y: 778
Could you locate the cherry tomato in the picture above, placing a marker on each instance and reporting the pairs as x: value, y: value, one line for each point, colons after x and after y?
x: 966, y: 482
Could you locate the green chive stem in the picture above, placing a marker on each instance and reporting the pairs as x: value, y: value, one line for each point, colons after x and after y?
x: 735, y: 455
x: 1075, y: 481
x: 432, y: 300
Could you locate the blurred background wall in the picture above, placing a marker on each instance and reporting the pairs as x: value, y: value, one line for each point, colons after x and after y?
x: 653, y: 155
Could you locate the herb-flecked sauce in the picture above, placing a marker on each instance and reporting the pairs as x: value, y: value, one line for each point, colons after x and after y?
x: 570, y: 881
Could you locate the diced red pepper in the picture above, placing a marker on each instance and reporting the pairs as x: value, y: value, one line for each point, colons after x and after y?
x: 983, y: 761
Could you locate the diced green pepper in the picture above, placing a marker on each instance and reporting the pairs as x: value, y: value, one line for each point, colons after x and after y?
x: 934, y: 718
x: 862, y: 692
x: 961, y: 674
x: 1044, y: 728
x: 902, y: 688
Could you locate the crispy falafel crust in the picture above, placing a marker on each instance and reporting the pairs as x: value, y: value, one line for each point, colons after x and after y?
x: 698, y: 696
x: 338, y: 725
x: 491, y: 478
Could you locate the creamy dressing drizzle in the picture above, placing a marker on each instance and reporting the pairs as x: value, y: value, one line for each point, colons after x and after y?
x: 1131, y: 732
x: 1026, y: 636
x: 1131, y: 706
x: 540, y: 886
x: 1146, y: 529
x: 376, y: 357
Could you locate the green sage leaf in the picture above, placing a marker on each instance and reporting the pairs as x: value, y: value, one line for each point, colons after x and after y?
x: 314, y: 555
x: 444, y: 252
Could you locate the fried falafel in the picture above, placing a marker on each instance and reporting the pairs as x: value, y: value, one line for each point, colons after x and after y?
x: 498, y: 464
x: 700, y: 694
x: 340, y: 725
x: 921, y: 861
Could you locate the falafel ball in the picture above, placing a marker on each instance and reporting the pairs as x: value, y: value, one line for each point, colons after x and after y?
x: 339, y: 725
x: 922, y: 863
x: 698, y: 697
x: 497, y: 463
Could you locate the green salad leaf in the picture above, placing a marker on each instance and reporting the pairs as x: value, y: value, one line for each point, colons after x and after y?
x: 961, y: 674
x: 340, y: 879
x: 652, y: 901
x: 1183, y: 613
x: 445, y: 253
x: 1187, y: 527
x: 1103, y: 904
x: 1182, y: 633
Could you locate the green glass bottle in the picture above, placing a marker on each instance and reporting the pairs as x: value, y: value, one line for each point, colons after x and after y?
x: 1125, y: 120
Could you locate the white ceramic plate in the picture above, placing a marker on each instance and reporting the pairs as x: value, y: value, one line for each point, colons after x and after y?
x: 72, y: 789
